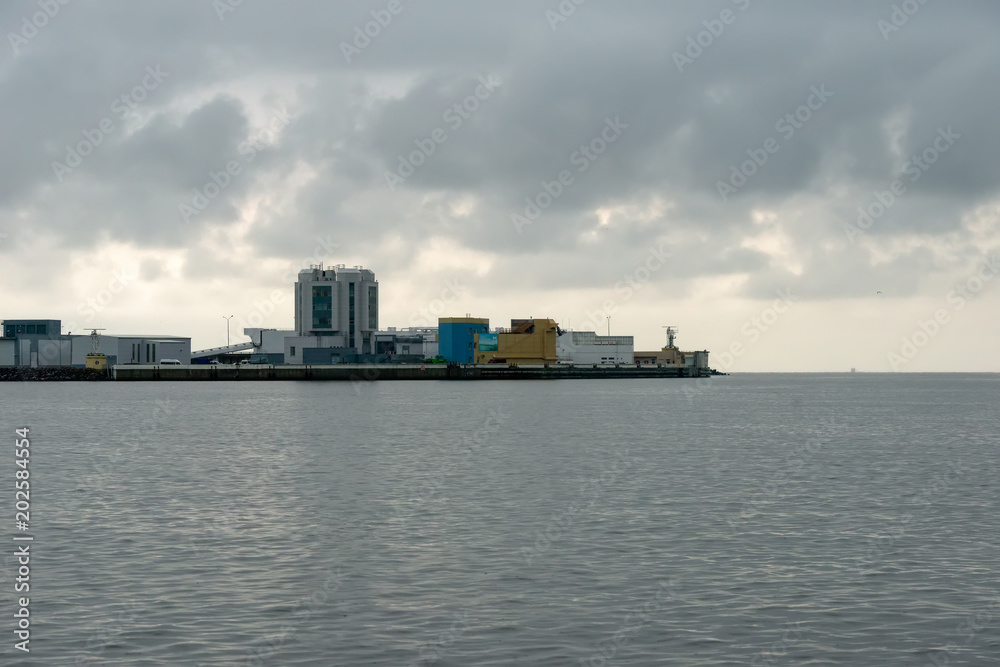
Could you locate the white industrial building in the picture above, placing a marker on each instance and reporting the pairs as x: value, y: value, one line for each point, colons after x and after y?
x: 336, y: 321
x: 338, y: 305
x: 285, y: 346
x: 586, y: 347
x: 410, y: 341
x: 135, y: 349
x: 40, y: 343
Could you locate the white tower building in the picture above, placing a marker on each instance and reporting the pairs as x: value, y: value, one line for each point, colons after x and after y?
x: 338, y: 303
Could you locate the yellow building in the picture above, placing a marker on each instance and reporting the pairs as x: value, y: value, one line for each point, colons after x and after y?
x: 526, y: 342
x: 96, y: 361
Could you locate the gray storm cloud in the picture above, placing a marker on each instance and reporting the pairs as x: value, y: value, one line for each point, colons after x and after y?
x: 724, y: 130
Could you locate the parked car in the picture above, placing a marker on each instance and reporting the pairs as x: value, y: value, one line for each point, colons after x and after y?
x: 170, y: 362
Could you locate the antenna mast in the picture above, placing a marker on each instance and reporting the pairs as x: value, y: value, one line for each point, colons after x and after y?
x: 95, y: 341
x: 671, y: 334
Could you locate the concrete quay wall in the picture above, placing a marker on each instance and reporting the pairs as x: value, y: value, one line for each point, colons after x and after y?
x: 378, y: 372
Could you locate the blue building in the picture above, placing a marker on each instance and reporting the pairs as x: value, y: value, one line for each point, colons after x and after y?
x: 456, y: 337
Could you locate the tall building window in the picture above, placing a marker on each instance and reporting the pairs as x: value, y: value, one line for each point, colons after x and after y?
x: 322, y: 307
x: 373, y: 307
x: 350, y: 314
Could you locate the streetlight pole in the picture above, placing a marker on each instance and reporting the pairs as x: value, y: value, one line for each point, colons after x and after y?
x: 227, y: 318
x: 609, y: 336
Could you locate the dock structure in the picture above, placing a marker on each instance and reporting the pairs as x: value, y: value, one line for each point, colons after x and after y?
x: 379, y: 372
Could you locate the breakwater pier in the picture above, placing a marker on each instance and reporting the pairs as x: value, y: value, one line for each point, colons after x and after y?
x: 381, y: 372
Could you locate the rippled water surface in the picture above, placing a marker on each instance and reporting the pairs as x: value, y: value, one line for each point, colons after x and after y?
x: 755, y: 519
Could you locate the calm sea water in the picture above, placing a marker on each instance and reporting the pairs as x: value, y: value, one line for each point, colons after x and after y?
x: 751, y: 519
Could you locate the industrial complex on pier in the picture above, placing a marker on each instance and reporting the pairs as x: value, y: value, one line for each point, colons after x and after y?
x: 337, y: 323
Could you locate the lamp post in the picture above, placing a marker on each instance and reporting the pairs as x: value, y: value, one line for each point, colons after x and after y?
x: 609, y: 336
x: 227, y: 318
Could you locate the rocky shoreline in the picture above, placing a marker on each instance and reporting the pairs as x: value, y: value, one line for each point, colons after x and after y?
x: 50, y: 374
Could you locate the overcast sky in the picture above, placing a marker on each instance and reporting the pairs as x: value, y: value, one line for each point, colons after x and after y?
x: 712, y: 156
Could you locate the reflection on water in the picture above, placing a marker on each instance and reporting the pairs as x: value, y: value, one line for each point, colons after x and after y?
x: 759, y: 519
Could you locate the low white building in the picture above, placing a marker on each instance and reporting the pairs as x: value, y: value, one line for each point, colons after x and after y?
x: 268, y: 341
x: 408, y: 341
x: 586, y: 347
x: 40, y: 343
x: 317, y: 350
x: 289, y: 347
x: 133, y: 349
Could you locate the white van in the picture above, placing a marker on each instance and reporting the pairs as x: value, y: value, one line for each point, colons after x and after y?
x: 170, y: 362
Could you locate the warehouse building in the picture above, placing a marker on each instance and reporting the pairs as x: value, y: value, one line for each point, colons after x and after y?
x: 586, y: 347
x: 40, y: 343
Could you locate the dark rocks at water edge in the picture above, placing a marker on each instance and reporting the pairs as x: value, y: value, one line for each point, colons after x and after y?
x: 50, y: 374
